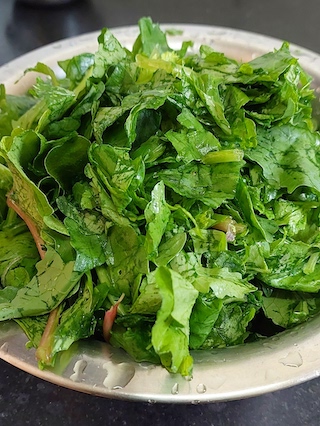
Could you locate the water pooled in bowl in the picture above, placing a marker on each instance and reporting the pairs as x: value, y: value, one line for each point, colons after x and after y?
x: 175, y: 389
x: 4, y: 347
x: 201, y: 388
x: 293, y: 359
x: 118, y: 375
x: 147, y: 365
x: 78, y: 369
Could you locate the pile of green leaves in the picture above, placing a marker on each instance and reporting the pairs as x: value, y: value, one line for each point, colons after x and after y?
x: 187, y: 181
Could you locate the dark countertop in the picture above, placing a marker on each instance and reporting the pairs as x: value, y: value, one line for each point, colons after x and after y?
x: 26, y: 400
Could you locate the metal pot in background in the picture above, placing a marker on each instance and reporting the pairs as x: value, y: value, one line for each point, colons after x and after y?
x: 46, y: 2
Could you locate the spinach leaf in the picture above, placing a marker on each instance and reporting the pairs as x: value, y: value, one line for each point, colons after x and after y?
x: 231, y: 327
x: 128, y: 258
x: 288, y: 157
x: 110, y: 52
x: 287, y: 308
x: 75, y: 323
x: 11, y: 108
x: 76, y: 68
x: 204, y: 315
x: 50, y: 286
x: 170, y: 333
x: 157, y: 215
x: 18, y: 255
x: 211, y: 185
x: 133, y: 334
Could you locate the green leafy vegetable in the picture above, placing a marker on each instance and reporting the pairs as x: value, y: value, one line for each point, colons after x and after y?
x: 177, y: 189
x: 52, y: 283
x: 170, y: 333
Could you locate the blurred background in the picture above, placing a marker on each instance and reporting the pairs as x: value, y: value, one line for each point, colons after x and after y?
x: 28, y: 24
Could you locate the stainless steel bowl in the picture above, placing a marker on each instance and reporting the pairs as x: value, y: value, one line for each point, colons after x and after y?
x: 238, y: 372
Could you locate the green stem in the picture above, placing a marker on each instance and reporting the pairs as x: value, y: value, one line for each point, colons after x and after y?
x: 223, y: 156
x: 44, y: 350
x: 10, y: 219
x: 104, y: 278
x: 185, y: 212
